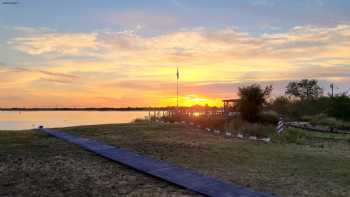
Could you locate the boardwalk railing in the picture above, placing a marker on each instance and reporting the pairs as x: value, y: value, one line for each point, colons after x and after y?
x: 318, y: 128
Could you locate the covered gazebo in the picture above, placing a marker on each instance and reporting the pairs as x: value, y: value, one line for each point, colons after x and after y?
x: 230, y: 106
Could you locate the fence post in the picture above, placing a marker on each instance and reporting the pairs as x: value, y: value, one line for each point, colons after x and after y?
x: 280, y: 126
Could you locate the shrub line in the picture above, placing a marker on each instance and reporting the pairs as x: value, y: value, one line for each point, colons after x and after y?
x: 216, y: 131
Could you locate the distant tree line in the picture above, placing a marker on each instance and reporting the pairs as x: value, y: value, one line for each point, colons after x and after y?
x: 301, y: 98
x: 306, y: 97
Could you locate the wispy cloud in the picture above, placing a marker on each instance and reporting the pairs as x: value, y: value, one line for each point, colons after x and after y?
x: 59, y: 43
x: 196, y: 43
x: 48, y: 73
x: 127, y: 63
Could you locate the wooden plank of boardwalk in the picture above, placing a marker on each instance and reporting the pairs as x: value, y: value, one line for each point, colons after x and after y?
x: 171, y: 173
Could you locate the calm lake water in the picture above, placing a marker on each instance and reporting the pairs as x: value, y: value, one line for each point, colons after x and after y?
x: 17, y: 120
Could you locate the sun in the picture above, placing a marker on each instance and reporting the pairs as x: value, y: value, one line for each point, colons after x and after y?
x: 194, y: 99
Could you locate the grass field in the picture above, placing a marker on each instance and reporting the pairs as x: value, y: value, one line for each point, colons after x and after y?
x: 34, y: 164
x: 315, y: 164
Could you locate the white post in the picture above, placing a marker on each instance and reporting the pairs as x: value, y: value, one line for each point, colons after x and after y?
x: 280, y: 126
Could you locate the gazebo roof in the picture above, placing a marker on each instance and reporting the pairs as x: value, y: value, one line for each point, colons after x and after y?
x: 230, y: 100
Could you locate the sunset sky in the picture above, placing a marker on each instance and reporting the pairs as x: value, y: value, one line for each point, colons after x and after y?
x: 87, y: 53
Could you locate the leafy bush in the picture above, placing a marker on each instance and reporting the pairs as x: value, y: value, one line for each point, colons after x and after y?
x: 237, y: 125
x: 234, y: 125
x: 258, y: 130
x: 340, y: 107
x: 139, y: 120
x: 290, y: 135
x: 270, y: 117
x: 330, y: 121
x: 251, y: 101
x: 308, y: 101
x: 214, y: 122
x: 297, y: 109
x: 323, y: 119
x: 280, y: 105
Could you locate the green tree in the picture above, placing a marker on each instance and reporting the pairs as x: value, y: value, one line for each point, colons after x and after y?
x: 252, y: 99
x: 305, y: 89
x: 340, y: 107
x: 280, y: 105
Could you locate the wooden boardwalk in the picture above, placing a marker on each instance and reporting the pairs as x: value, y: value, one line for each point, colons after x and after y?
x: 174, y: 174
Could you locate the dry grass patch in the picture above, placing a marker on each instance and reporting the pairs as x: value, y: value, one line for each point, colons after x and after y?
x: 34, y: 164
x: 317, y: 167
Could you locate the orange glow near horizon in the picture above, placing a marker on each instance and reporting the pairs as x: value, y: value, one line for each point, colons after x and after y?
x: 191, y: 100
x: 131, y: 69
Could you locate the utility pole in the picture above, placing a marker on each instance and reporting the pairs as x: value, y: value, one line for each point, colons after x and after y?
x: 332, y: 87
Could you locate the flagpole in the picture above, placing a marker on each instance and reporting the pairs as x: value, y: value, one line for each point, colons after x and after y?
x: 177, y: 89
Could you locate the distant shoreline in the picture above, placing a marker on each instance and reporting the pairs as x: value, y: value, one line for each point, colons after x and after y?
x: 89, y: 109
x: 100, y: 108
